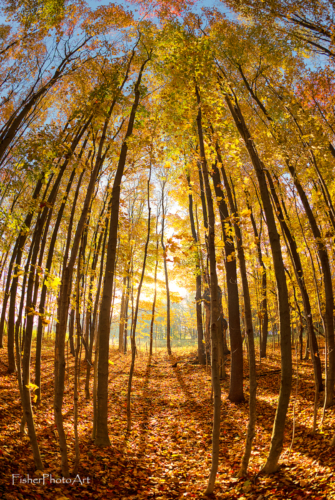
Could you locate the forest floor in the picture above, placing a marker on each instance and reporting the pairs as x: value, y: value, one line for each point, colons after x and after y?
x: 168, y: 452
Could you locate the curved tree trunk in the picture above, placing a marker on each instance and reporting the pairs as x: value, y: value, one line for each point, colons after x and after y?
x: 64, y: 302
x: 322, y: 250
x: 328, y: 287
x: 6, y: 293
x: 284, y: 313
x: 48, y: 266
x: 13, y: 289
x: 299, y: 273
x: 102, y: 438
x: 248, y: 327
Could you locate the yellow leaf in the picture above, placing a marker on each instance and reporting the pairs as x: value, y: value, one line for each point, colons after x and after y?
x: 32, y: 386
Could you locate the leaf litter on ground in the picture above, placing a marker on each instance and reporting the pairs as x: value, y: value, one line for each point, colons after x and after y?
x: 167, y: 454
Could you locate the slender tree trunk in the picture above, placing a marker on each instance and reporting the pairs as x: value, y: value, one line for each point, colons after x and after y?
x: 19, y: 343
x: 264, y: 301
x: 6, y: 293
x: 248, y: 327
x: 299, y: 273
x: 133, y: 340
x: 201, y: 350
x: 285, y: 336
x: 89, y: 326
x: 122, y: 314
x: 168, y: 304
x: 63, y: 306
x: 125, y: 330
x: 206, y: 299
x: 215, y: 311
x: 322, y: 250
x: 4, y: 259
x: 328, y: 287
x: 77, y: 367
x: 71, y: 331
x: 202, y: 196
x: 222, y: 337
x: 236, y: 366
x: 27, y: 387
x: 155, y: 296
x: 13, y: 290
x: 96, y: 337
x: 10, y: 130
x: 102, y: 438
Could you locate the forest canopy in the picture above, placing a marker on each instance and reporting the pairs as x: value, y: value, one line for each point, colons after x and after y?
x: 167, y: 183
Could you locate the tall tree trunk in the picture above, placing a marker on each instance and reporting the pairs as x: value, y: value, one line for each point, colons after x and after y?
x: 64, y: 301
x: 236, y: 347
x: 6, y: 292
x: 77, y: 369
x: 168, y: 305
x: 299, y: 273
x: 201, y: 350
x: 215, y: 311
x: 89, y: 326
x: 202, y: 196
x: 248, y: 326
x: 41, y: 318
x: 102, y: 438
x: 19, y: 343
x: 125, y: 330
x: 13, y: 289
x: 206, y: 299
x: 71, y: 331
x: 155, y: 291
x: 264, y: 301
x: 285, y: 330
x: 328, y: 287
x: 134, y: 323
x: 95, y: 329
x: 322, y: 250
x: 28, y: 388
x: 122, y: 314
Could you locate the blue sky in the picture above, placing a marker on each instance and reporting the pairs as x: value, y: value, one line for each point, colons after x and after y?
x: 312, y: 62
x: 202, y: 3
x: 96, y: 3
x: 124, y: 3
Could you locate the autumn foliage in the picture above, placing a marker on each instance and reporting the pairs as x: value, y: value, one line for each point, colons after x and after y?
x: 167, y: 227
